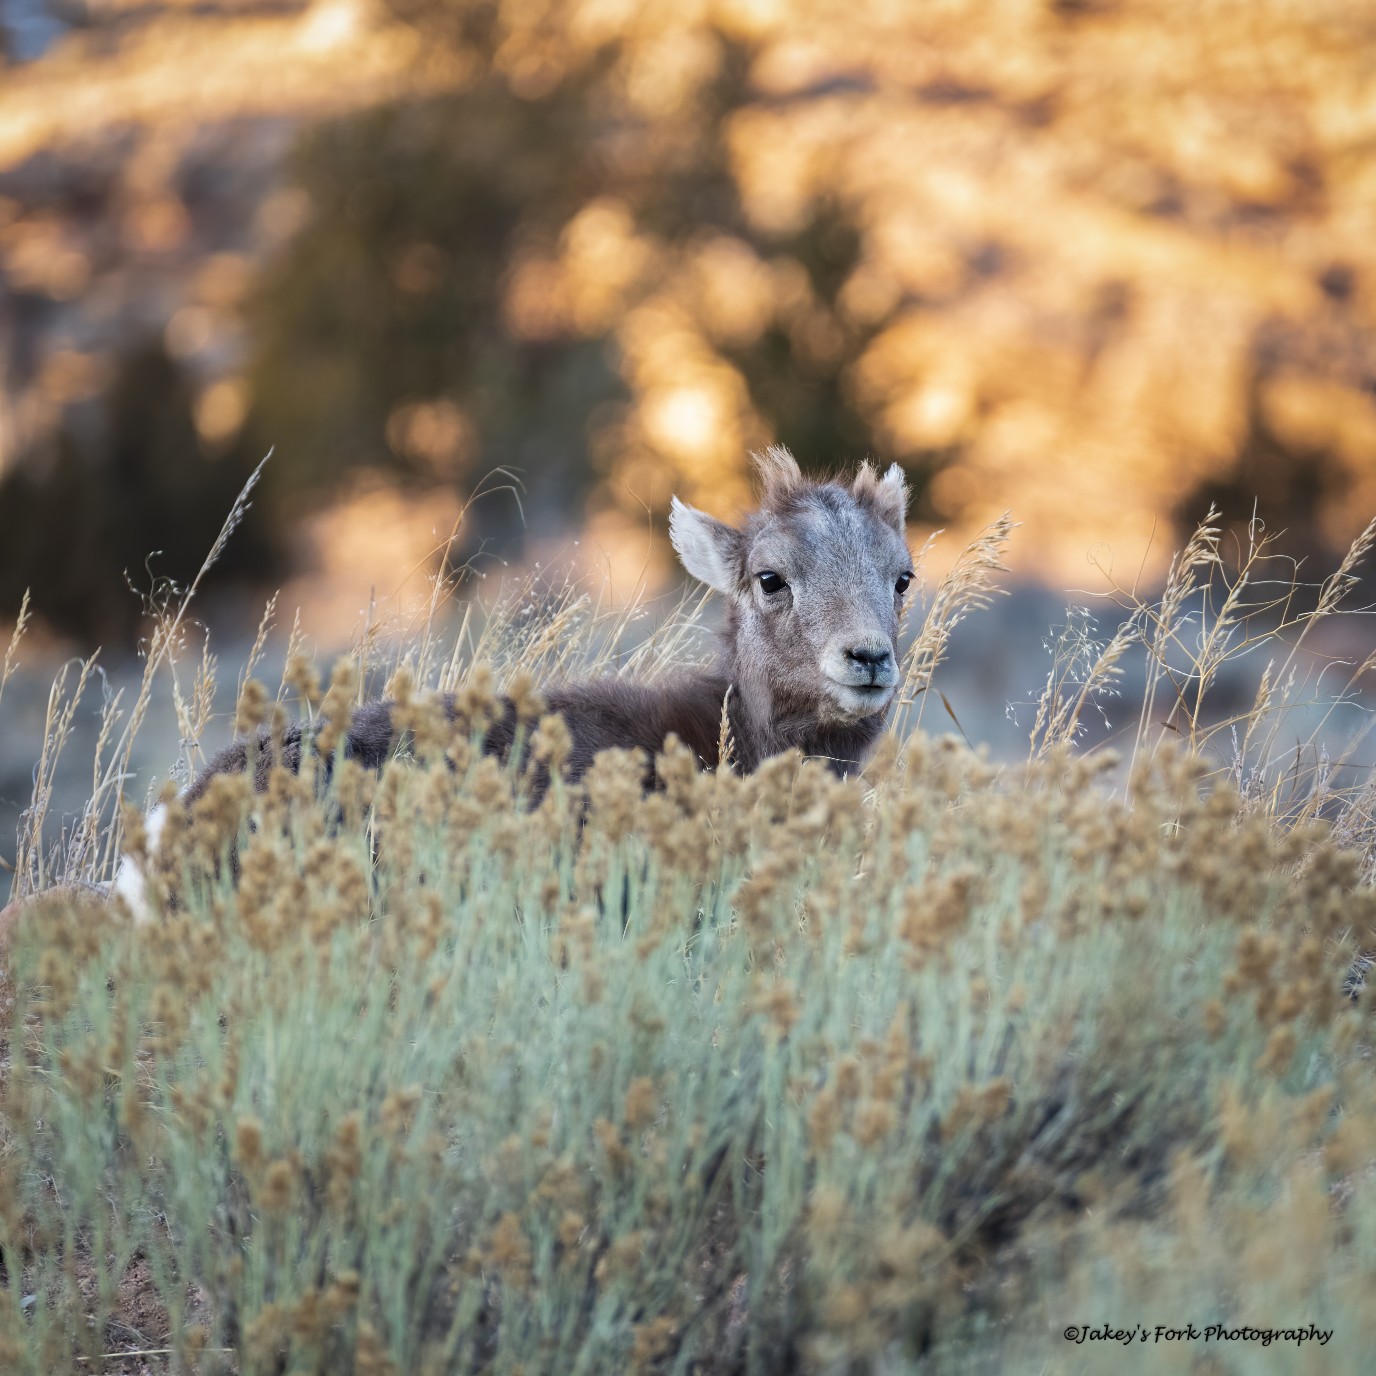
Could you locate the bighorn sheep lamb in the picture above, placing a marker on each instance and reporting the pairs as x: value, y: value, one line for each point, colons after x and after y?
x: 814, y: 580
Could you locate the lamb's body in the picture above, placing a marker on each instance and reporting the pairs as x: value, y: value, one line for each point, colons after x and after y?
x: 808, y: 656
x: 601, y: 715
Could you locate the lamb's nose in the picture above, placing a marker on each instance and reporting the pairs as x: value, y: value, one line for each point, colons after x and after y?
x: 863, y: 654
x: 867, y: 657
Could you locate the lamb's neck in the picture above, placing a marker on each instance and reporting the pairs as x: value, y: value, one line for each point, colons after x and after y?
x: 765, y: 723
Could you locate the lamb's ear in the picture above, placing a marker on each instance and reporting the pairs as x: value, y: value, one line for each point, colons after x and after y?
x: 709, y: 549
x: 888, y: 496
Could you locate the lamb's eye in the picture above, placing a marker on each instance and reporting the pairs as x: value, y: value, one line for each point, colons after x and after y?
x: 770, y: 582
x: 901, y: 586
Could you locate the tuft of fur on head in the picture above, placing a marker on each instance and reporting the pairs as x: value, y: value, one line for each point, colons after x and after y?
x: 887, y: 497
x: 778, y: 473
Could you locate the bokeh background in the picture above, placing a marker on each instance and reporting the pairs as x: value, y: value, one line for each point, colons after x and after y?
x: 1097, y: 262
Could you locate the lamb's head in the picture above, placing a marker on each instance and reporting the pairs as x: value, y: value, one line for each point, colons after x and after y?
x: 817, y: 577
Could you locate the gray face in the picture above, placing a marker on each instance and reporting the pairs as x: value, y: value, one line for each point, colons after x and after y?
x: 817, y: 576
x: 819, y: 607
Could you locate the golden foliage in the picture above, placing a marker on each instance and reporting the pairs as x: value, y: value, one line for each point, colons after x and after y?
x: 1096, y: 245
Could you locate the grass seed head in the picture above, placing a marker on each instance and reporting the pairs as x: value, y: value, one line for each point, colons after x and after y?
x: 302, y: 677
x: 251, y: 711
x: 248, y: 1143
x: 526, y: 699
x: 337, y: 706
x: 642, y: 1103
x: 508, y: 1251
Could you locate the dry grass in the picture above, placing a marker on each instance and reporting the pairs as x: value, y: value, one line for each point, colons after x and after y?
x: 769, y: 1073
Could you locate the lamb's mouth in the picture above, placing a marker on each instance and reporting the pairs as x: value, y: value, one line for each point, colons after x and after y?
x: 862, y: 699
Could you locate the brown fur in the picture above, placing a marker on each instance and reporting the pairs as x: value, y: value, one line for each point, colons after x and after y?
x: 601, y: 715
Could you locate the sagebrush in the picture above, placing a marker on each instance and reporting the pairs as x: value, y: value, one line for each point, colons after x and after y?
x: 904, y: 1072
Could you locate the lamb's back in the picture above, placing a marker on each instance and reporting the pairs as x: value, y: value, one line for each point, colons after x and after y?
x: 601, y: 714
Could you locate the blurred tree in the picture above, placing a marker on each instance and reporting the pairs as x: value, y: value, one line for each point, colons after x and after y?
x: 378, y: 337
x: 112, y: 511
x: 1281, y: 483
x: 1096, y: 263
x: 481, y: 277
x: 638, y: 244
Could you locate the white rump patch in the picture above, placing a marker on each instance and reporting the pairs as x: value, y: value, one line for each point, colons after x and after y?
x: 129, y: 882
